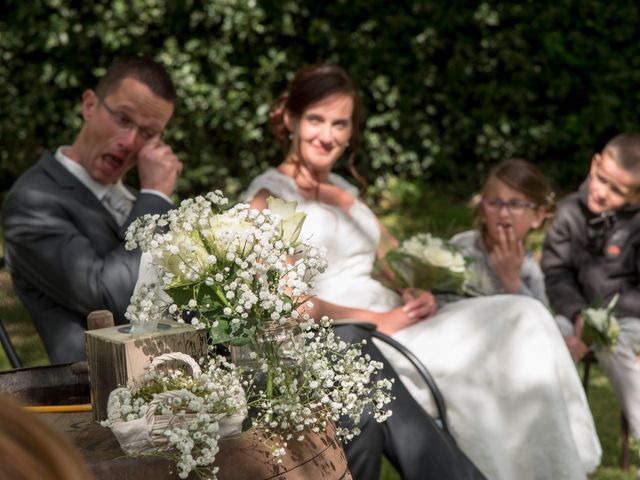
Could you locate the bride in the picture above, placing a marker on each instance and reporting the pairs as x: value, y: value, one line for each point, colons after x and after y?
x: 515, y: 402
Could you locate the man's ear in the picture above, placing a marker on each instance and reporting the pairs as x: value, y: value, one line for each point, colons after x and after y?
x: 89, y: 103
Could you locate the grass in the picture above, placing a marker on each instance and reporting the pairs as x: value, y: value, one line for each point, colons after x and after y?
x: 19, y: 328
x: 446, y: 214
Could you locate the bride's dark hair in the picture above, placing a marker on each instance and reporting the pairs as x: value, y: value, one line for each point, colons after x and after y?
x: 312, y: 84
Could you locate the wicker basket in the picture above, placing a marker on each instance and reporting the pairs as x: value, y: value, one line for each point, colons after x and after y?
x: 147, y: 433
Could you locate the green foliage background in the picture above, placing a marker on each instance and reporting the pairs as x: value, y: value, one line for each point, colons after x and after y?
x: 449, y: 86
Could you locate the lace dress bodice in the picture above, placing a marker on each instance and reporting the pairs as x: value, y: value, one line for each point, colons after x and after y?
x: 351, y: 240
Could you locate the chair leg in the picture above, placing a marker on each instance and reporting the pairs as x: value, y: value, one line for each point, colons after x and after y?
x: 8, y: 348
x: 624, y: 434
x: 585, y: 376
x: 5, y: 341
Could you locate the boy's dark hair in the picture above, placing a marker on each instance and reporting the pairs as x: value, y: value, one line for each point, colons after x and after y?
x: 625, y: 150
x: 146, y: 71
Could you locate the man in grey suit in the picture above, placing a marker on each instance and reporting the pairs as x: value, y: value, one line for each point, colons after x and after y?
x: 64, y: 219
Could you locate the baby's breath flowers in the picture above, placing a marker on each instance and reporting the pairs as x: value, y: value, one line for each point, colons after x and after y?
x: 182, y: 415
x: 179, y: 415
x: 227, y: 271
x: 245, y: 277
x: 325, y: 379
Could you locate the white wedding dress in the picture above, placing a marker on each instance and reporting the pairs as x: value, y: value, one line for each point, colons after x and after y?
x: 515, y: 402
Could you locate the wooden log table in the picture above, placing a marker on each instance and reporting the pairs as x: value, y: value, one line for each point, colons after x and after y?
x: 241, y: 457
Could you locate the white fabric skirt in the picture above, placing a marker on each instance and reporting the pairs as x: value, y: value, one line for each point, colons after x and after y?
x: 514, y: 399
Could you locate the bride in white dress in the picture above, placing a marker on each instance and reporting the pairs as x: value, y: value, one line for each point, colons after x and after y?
x: 514, y: 399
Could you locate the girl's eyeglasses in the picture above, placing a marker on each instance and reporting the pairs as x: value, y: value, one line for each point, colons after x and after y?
x: 514, y: 207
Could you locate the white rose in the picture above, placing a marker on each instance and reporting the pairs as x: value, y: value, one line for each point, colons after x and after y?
x: 291, y: 221
x: 444, y: 258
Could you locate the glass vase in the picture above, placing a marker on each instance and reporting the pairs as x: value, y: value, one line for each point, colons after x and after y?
x: 275, y: 345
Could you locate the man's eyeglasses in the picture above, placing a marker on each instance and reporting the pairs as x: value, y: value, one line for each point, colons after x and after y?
x: 124, y: 122
x: 515, y: 207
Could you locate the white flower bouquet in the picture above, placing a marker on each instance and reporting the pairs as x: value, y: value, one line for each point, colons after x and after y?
x: 601, y: 326
x: 429, y: 263
x: 227, y: 271
x: 245, y: 277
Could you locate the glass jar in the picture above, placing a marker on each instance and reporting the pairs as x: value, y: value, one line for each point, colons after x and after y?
x: 276, y: 344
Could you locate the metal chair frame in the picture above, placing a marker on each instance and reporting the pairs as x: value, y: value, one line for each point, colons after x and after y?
x: 587, y: 361
x: 420, y: 368
x: 5, y: 340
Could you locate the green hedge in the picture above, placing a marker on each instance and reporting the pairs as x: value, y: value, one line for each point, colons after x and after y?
x: 449, y: 86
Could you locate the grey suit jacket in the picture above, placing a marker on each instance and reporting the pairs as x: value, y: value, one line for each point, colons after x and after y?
x: 66, y: 254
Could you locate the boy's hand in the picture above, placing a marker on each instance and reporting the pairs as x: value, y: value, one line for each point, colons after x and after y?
x: 158, y: 167
x: 576, y: 346
x: 507, y: 257
x: 578, y: 326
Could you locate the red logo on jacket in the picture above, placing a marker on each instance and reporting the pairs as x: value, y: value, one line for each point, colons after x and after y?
x: 613, y: 250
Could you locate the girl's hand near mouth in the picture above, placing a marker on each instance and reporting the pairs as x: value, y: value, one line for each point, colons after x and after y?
x: 507, y: 255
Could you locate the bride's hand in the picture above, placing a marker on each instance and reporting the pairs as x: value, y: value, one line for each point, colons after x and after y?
x: 394, y: 320
x: 419, y: 304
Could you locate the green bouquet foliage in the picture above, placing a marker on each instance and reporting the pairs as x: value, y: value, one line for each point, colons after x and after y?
x: 447, y: 91
x: 429, y: 263
x: 601, y: 326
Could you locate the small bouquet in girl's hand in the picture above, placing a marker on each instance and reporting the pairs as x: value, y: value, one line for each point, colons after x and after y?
x: 429, y: 263
x: 601, y: 326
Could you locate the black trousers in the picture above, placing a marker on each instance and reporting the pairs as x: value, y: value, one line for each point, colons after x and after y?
x: 409, y: 438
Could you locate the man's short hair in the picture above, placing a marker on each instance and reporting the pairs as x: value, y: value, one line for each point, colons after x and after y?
x: 146, y: 71
x: 625, y: 150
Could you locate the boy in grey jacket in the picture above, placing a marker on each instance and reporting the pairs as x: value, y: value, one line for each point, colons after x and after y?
x: 591, y: 253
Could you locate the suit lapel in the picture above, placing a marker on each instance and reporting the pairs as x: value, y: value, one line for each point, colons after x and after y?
x: 76, y: 189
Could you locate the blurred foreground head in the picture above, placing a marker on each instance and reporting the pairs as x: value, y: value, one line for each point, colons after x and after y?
x: 31, y: 450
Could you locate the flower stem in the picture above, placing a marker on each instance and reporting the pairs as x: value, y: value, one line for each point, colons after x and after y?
x: 269, y: 383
